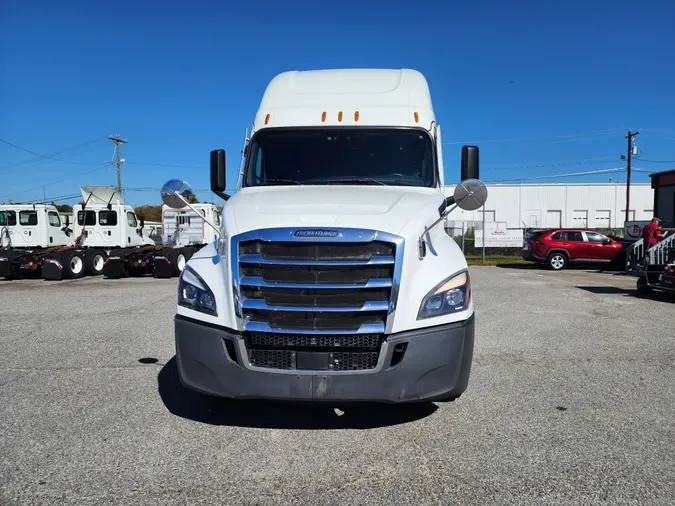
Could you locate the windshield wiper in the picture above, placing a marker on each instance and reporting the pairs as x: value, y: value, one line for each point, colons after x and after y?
x: 279, y: 180
x: 354, y: 180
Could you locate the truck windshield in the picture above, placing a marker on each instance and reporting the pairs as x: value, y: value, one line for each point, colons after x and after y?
x: 374, y: 156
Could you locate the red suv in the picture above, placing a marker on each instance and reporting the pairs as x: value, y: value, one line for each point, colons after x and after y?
x: 558, y: 247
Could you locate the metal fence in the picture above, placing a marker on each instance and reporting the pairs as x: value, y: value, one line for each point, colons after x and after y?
x: 481, y: 239
x: 486, y: 238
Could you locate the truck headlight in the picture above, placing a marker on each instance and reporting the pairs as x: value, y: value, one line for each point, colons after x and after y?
x: 194, y: 293
x: 451, y: 296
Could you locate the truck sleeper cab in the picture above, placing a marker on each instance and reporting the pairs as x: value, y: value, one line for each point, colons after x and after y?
x: 330, y: 281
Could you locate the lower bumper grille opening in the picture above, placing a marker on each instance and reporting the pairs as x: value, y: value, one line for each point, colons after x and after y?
x: 313, y: 361
x: 313, y: 352
x: 229, y: 347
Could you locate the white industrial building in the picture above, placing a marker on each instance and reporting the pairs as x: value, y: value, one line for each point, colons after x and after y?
x: 589, y: 205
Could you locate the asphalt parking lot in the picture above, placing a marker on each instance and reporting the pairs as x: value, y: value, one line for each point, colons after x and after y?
x: 571, y: 401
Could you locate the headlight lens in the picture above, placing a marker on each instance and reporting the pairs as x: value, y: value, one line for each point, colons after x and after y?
x: 451, y: 296
x: 194, y: 293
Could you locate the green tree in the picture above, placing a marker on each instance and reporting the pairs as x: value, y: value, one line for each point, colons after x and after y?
x: 149, y: 213
x: 63, y: 208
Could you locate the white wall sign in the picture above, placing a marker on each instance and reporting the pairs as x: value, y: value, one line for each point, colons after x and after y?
x: 500, y: 239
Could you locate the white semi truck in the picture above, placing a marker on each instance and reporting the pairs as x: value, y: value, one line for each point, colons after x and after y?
x: 27, y: 231
x: 332, y: 279
x: 106, y: 237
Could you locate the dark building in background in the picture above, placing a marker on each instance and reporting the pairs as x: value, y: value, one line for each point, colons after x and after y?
x: 663, y: 184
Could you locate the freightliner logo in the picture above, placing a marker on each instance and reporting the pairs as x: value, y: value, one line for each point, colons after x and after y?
x: 316, y: 233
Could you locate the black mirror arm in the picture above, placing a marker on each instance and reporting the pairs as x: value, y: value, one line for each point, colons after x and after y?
x: 222, y: 195
x: 445, y: 204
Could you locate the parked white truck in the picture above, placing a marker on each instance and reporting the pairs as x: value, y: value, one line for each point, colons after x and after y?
x: 27, y: 232
x: 331, y: 279
x: 106, y: 237
x: 184, y: 233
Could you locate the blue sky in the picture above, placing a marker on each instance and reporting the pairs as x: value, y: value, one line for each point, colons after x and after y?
x: 543, y: 88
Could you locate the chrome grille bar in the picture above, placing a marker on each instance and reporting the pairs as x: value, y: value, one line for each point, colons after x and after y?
x: 286, y: 282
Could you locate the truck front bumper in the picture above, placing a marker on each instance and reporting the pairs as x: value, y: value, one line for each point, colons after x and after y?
x: 436, y: 365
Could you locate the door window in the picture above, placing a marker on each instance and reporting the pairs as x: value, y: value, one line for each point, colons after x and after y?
x: 54, y: 219
x: 568, y: 236
x: 131, y: 220
x: 595, y: 237
x: 7, y: 218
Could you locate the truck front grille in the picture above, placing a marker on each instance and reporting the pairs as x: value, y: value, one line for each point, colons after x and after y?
x: 313, y: 352
x: 315, y: 302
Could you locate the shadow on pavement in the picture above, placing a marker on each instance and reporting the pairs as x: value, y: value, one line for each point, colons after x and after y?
x: 606, y: 290
x: 198, y: 407
x: 521, y: 267
x: 656, y: 296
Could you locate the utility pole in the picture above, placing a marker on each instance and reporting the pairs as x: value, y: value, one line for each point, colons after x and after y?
x: 630, y: 135
x: 119, y: 160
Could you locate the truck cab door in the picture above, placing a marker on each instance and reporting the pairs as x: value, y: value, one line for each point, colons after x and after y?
x: 56, y: 236
x: 131, y: 236
x: 28, y: 233
x: 86, y: 225
x: 108, y: 223
x: 7, y: 228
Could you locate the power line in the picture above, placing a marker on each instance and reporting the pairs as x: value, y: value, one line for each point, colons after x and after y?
x: 41, y: 155
x: 656, y: 161
x: 49, y: 156
x: 548, y: 165
x: 541, y: 137
x: 66, y: 179
x: 556, y: 176
x: 167, y: 165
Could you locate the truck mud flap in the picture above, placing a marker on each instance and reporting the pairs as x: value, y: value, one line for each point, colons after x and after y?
x: 114, y: 266
x: 5, y: 269
x: 52, y: 269
x: 9, y: 266
x: 63, y: 265
x: 164, y: 268
x: 171, y: 261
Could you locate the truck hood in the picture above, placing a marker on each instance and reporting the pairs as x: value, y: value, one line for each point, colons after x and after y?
x: 386, y: 208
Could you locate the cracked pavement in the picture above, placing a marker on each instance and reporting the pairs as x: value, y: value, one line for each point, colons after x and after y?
x: 571, y: 401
